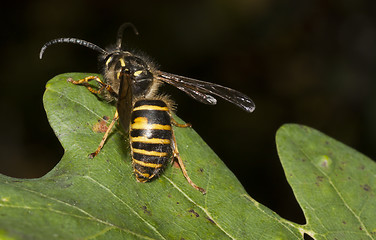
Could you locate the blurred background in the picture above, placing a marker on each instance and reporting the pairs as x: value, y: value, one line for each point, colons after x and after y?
x: 310, y: 62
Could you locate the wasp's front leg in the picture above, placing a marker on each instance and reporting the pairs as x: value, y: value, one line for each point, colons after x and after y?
x: 85, y: 82
x: 114, y: 119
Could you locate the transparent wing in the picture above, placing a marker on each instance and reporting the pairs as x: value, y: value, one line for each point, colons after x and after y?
x: 203, y: 91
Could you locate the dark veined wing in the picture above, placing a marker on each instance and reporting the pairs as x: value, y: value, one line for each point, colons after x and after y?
x: 203, y: 91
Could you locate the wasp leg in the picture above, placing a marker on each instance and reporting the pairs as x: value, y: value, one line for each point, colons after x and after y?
x: 115, y: 118
x: 176, y: 155
x: 175, y: 123
x: 85, y: 82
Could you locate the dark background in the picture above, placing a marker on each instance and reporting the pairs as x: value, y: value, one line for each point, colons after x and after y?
x: 310, y: 62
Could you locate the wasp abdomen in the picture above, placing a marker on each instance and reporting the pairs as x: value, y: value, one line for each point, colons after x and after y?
x: 150, y: 138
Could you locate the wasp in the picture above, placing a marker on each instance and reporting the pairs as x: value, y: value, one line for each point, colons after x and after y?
x: 131, y: 80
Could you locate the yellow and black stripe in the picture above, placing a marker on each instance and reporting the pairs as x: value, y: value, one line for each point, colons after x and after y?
x: 150, y: 138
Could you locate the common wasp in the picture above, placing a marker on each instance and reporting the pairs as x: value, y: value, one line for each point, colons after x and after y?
x: 132, y: 81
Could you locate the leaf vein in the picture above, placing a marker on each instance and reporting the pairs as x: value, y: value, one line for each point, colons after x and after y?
x: 101, y: 232
x: 90, y: 217
x: 133, y: 211
x: 201, y: 207
x: 74, y: 101
x: 339, y: 194
x: 281, y: 221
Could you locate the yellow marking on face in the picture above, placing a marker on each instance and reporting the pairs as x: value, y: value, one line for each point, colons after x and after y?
x: 151, y: 140
x: 108, y: 61
x: 145, y: 164
x: 118, y: 75
x: 122, y: 63
x: 150, y: 107
x: 137, y: 73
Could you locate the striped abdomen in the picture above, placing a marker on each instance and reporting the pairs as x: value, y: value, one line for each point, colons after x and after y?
x: 150, y: 138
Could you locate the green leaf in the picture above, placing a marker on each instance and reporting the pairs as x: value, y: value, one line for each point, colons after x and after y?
x: 334, y: 184
x: 99, y: 198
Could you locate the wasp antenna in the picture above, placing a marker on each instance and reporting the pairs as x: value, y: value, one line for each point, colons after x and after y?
x: 71, y: 40
x: 119, y: 39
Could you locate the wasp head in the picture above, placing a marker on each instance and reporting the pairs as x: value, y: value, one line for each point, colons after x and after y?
x: 134, y: 69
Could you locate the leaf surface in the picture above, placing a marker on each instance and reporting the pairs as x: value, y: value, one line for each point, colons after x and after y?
x: 334, y: 184
x: 99, y: 198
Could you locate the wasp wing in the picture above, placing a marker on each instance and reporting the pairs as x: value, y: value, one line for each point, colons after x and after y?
x: 191, y: 90
x: 124, y: 103
x: 203, y: 91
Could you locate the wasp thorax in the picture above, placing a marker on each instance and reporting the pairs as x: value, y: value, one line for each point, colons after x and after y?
x: 140, y: 75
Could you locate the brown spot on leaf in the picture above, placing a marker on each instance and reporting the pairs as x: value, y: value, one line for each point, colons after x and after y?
x: 366, y: 187
x: 194, y: 213
x: 146, y: 210
x: 319, y: 179
x: 176, y: 164
x: 210, y: 220
x: 101, y: 125
x: 324, y: 163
